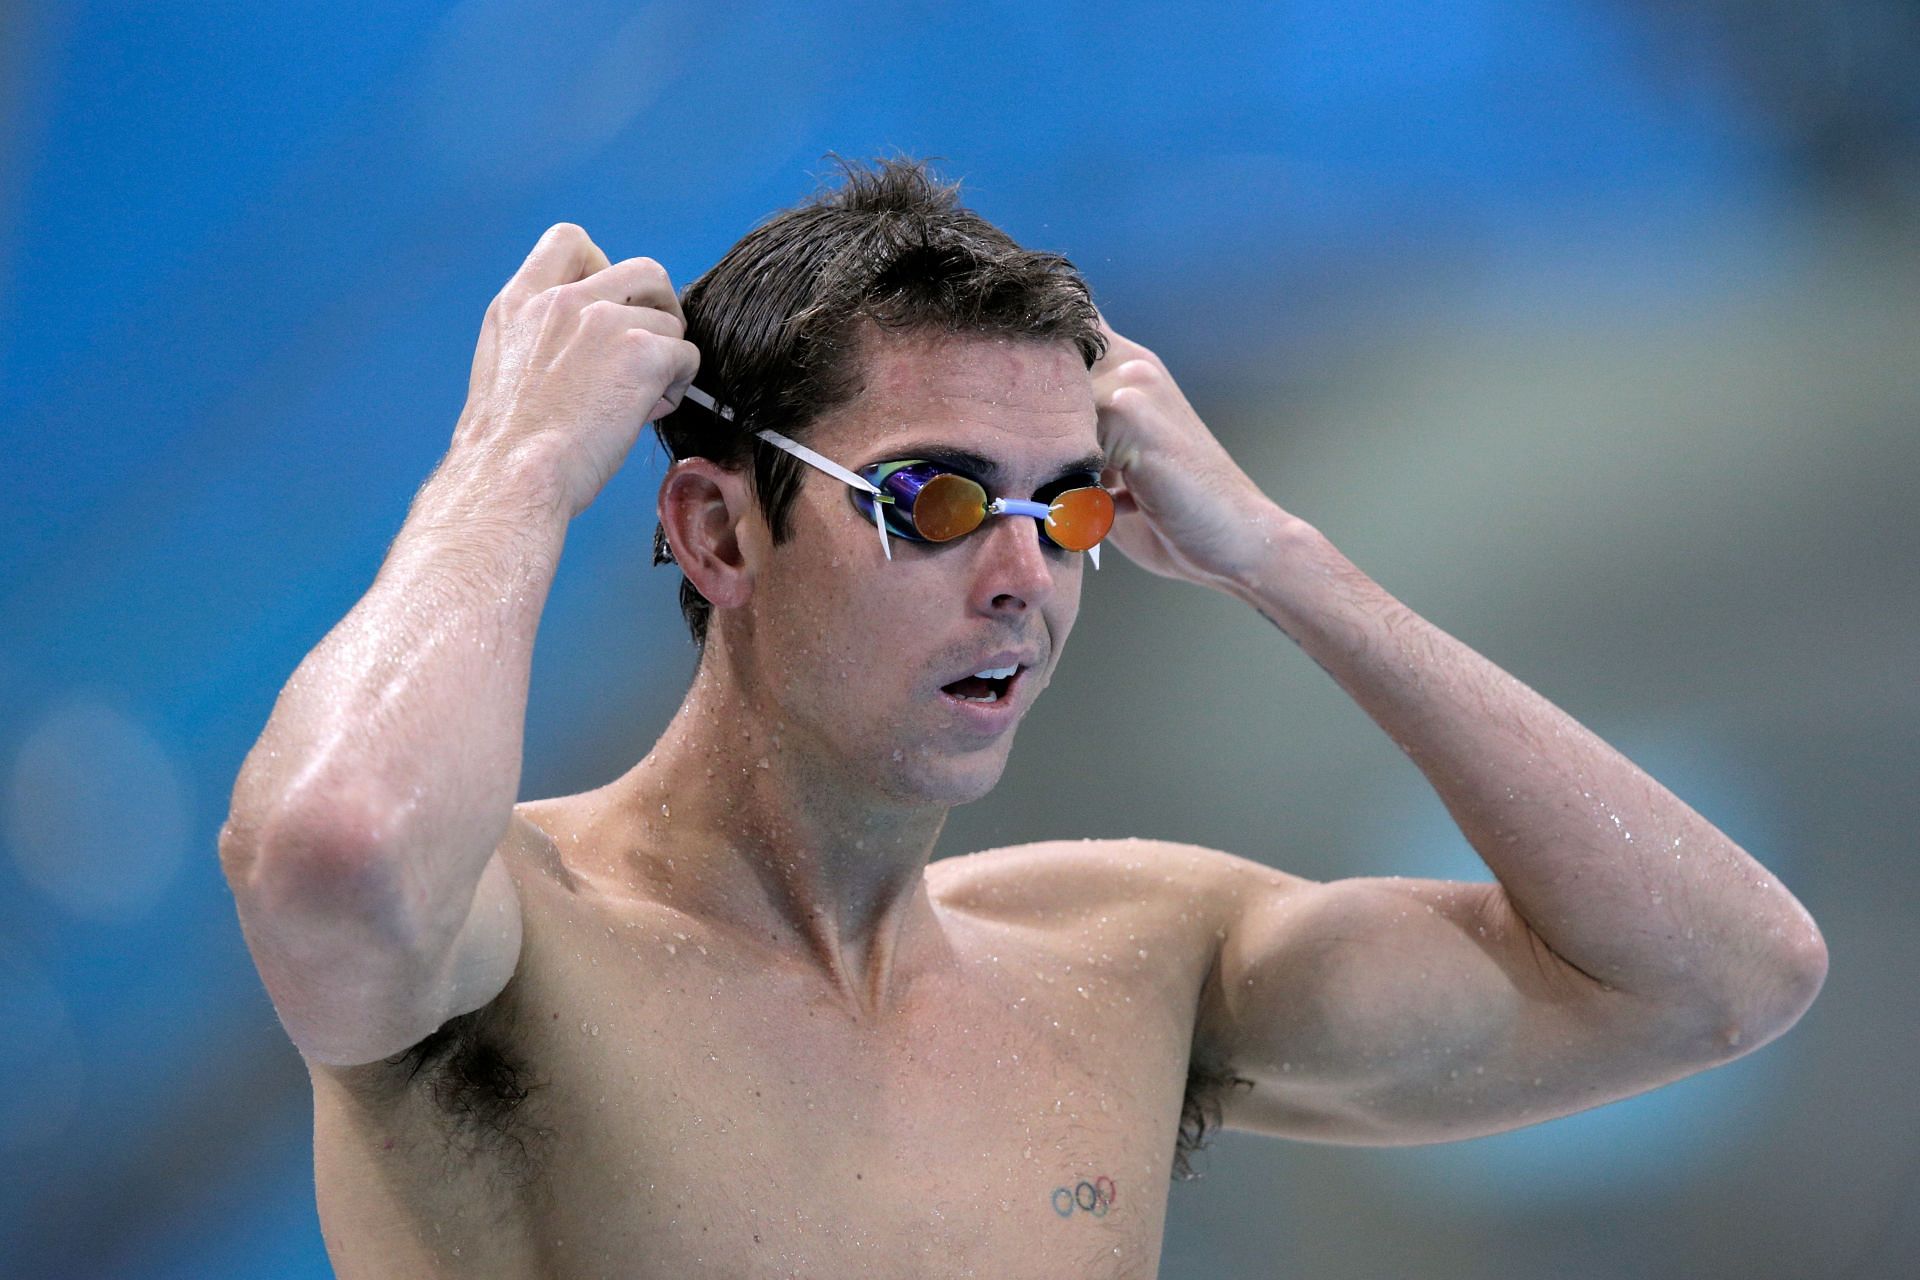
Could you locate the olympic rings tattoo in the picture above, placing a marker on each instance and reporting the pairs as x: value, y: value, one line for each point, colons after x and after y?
x: 1095, y: 1197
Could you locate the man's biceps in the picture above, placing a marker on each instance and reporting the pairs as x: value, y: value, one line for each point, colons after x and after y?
x: 1353, y: 974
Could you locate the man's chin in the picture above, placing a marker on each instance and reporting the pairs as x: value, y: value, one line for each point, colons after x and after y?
x: 950, y: 779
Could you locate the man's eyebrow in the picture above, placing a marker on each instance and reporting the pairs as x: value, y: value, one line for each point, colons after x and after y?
x: 986, y: 469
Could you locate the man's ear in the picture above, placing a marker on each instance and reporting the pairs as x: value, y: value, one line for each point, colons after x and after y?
x: 705, y: 510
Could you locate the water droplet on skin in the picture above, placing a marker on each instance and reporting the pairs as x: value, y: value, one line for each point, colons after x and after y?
x: 664, y: 811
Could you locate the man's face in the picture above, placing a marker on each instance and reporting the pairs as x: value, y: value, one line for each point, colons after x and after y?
x: 851, y: 652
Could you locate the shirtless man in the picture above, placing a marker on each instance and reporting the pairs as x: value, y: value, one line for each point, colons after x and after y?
x: 721, y: 1016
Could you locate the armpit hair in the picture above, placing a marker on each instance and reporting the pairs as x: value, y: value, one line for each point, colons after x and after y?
x: 1206, y: 1083
x: 475, y: 1083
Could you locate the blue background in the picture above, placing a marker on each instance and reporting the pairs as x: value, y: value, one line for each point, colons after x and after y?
x: 1587, y: 327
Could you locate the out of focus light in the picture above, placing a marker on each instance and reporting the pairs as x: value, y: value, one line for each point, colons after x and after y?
x: 97, y: 812
x: 504, y: 100
x: 39, y: 1056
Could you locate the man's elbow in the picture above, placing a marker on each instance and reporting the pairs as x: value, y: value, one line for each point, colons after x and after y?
x: 1784, y: 980
x: 1806, y: 971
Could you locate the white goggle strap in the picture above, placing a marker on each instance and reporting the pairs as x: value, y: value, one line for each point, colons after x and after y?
x: 838, y: 472
x: 708, y: 403
x: 805, y: 455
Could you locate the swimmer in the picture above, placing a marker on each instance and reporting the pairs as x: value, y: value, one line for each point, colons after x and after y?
x: 723, y: 1016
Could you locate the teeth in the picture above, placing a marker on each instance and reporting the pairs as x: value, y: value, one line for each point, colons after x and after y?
x: 995, y: 673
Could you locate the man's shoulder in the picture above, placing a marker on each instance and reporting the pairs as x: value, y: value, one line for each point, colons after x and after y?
x: 1153, y: 912
x: 1079, y: 876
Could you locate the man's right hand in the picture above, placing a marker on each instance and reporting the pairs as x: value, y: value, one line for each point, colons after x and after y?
x: 575, y: 357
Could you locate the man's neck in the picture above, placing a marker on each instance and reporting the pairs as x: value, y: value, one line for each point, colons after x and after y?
x: 742, y: 823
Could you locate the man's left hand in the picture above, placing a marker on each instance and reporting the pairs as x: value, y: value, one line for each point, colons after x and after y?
x: 1183, y: 508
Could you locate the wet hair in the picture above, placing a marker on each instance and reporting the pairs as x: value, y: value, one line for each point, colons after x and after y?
x: 781, y: 320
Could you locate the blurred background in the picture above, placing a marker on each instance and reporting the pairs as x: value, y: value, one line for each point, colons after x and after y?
x: 1587, y: 327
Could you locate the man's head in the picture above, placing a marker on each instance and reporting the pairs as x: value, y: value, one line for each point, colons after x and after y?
x: 881, y: 322
x: 782, y: 320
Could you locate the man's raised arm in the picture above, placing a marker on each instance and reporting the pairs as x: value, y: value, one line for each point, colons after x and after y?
x: 361, y: 839
x: 1615, y: 875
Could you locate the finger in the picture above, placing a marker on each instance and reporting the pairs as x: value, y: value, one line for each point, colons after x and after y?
x: 566, y: 253
x: 610, y: 317
x: 683, y: 363
x: 633, y: 282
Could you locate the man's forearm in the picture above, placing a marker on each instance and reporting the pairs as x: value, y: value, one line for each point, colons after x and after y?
x: 402, y: 729
x: 1614, y: 873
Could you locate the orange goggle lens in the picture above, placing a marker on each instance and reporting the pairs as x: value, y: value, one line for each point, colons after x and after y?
x: 948, y: 506
x: 1079, y: 518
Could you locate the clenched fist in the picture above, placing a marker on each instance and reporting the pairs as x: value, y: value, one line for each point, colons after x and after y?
x: 1183, y: 508
x: 576, y: 355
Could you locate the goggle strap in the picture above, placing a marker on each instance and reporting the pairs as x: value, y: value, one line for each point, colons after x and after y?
x: 708, y: 403
x: 833, y: 469
x: 827, y: 465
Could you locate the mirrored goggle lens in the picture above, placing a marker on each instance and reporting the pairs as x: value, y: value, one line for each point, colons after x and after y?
x: 1079, y: 518
x: 948, y: 506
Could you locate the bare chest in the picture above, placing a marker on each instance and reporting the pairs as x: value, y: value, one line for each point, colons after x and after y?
x: 1020, y: 1109
x: 644, y: 1100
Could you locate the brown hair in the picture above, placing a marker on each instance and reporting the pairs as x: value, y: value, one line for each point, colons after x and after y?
x: 779, y: 319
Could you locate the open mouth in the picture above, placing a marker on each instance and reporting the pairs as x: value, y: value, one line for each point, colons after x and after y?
x: 983, y: 686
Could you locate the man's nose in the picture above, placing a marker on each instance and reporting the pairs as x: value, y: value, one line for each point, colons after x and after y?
x: 1013, y: 573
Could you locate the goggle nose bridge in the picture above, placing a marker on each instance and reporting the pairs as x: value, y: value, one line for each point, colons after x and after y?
x: 1019, y: 507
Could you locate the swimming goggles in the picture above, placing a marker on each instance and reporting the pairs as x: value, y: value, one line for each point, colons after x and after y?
x: 924, y: 501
